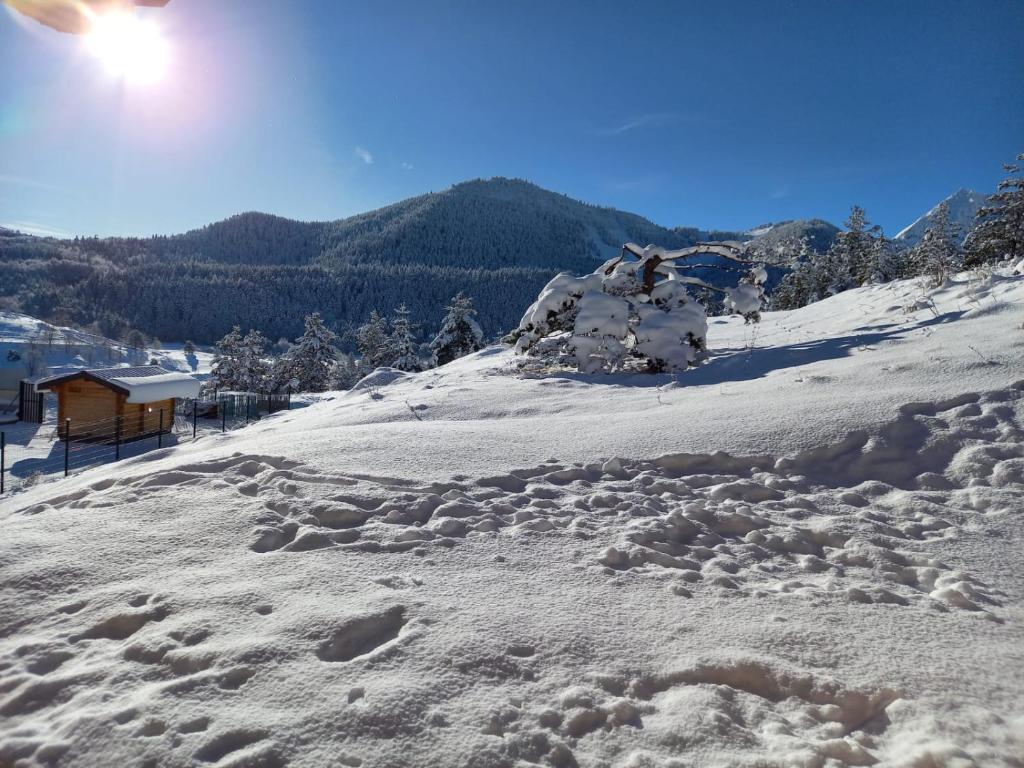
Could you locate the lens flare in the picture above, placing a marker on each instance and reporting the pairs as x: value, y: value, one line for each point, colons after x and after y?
x: 130, y: 48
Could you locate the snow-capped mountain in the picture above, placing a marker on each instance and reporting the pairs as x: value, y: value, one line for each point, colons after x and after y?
x: 963, y: 206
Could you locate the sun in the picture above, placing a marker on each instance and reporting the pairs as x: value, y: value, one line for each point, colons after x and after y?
x: 130, y: 48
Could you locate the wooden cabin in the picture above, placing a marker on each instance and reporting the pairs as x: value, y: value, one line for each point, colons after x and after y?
x: 105, y: 403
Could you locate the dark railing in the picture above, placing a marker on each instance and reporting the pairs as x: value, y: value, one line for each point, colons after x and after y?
x: 30, y: 403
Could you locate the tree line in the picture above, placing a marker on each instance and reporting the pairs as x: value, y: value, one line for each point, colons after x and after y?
x: 862, y: 254
x: 314, y: 363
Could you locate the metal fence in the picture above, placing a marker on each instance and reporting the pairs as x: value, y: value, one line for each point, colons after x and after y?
x: 31, y: 404
x: 31, y: 453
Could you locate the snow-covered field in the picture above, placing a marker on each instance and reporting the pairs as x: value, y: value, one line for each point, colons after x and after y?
x: 806, y: 553
x: 59, y: 348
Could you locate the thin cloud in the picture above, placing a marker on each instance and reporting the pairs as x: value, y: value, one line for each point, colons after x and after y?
x: 33, y: 228
x: 657, y: 120
x: 406, y: 166
x: 650, y: 119
x: 363, y: 154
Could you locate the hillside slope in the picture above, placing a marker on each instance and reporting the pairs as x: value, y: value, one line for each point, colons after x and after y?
x: 499, y: 240
x: 805, y: 553
x: 820, y: 234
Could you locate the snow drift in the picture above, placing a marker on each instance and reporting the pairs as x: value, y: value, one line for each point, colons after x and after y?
x: 807, y: 553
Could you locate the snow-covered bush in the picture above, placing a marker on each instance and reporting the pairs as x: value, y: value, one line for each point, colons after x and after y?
x: 635, y: 311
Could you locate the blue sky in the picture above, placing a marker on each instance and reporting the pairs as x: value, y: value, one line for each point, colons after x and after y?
x: 719, y: 115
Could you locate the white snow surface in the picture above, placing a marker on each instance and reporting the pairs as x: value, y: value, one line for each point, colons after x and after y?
x: 64, y: 349
x: 805, y: 552
x: 149, y: 389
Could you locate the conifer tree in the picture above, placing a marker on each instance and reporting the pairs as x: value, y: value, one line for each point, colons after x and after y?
x: 886, y: 261
x: 460, y: 333
x: 312, y: 358
x: 372, y: 342
x: 225, y: 368
x: 999, y: 231
x: 344, y: 373
x: 808, y: 281
x: 938, y: 254
x: 851, y: 254
x: 402, y: 344
x: 253, y: 370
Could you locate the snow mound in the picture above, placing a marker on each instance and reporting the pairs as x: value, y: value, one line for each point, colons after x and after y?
x: 381, y: 377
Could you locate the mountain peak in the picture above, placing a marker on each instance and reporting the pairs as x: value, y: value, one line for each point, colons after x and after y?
x: 963, y: 207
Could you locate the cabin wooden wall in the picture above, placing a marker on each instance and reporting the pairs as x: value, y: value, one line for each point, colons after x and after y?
x: 86, y: 403
x: 144, y: 418
x: 92, y: 408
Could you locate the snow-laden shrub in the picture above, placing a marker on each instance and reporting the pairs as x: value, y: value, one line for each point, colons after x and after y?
x: 635, y: 311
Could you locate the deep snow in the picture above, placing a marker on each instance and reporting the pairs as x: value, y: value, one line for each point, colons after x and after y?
x: 805, y: 553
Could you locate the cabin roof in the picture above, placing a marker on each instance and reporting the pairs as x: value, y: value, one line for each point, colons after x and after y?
x: 140, y: 384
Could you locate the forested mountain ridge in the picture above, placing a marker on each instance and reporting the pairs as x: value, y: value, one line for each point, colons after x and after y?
x: 820, y: 234
x: 482, y: 223
x: 498, y: 240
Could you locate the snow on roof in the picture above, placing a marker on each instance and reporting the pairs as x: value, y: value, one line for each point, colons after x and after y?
x: 148, y: 389
x: 142, y: 384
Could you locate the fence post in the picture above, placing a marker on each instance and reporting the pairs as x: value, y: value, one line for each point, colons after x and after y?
x: 67, y: 445
x: 195, y: 415
x: 288, y: 407
x: 160, y: 431
x: 247, y: 410
x: 3, y: 457
x: 222, y: 404
x: 117, y: 438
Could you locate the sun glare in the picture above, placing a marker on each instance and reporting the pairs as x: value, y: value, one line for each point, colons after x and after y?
x: 130, y: 48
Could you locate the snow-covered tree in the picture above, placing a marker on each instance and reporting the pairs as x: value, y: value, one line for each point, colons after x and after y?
x: 402, y: 347
x: 344, y: 373
x: 999, y: 232
x: 938, y: 254
x: 748, y: 296
x: 134, y: 339
x: 850, y: 257
x: 635, y: 311
x: 312, y: 358
x: 188, y: 348
x: 808, y: 281
x: 460, y: 333
x: 224, y: 371
x: 886, y: 262
x: 239, y: 363
x: 281, y: 378
x: 253, y: 372
x: 372, y: 342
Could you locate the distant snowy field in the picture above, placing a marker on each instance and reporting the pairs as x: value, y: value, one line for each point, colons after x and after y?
x: 64, y: 348
x: 806, y: 553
